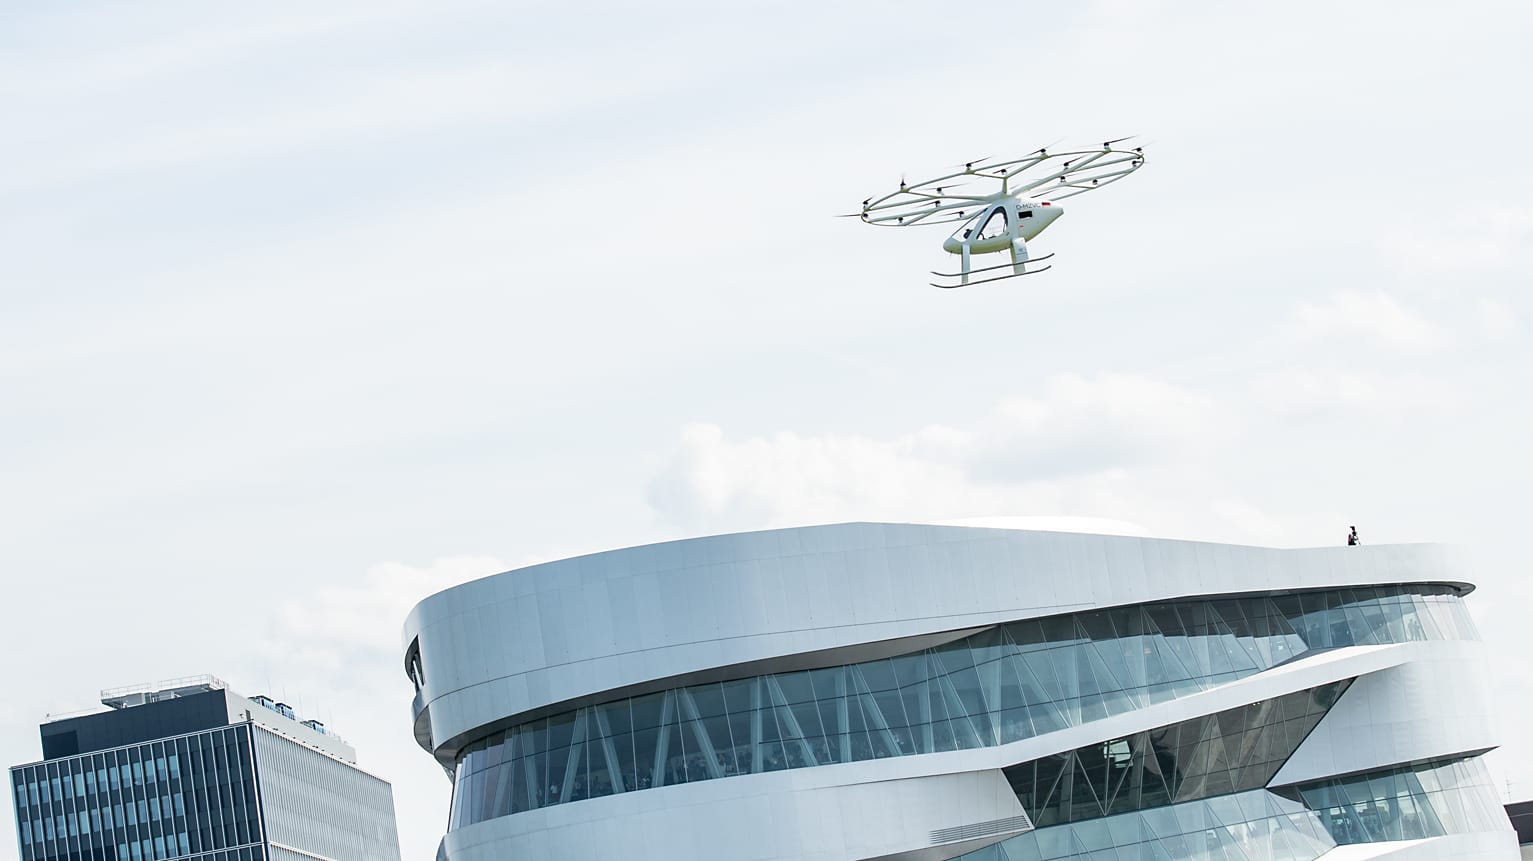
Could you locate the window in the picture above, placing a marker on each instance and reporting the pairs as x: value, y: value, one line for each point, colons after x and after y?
x: 1014, y: 681
x: 413, y: 667
x: 995, y: 225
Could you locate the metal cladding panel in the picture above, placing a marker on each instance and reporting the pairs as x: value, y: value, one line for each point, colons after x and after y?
x: 319, y: 807
x: 548, y: 644
x: 1427, y: 707
x: 1482, y: 846
x: 518, y: 641
x: 771, y: 819
x: 277, y: 853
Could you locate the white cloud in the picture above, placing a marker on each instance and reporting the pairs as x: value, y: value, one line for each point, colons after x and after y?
x: 329, y: 625
x: 1081, y: 446
x: 362, y: 111
x: 1308, y: 394
x: 128, y: 47
x: 1374, y: 317
x: 788, y: 477
x: 1080, y: 426
x: 1497, y: 319
x: 1470, y: 237
x: 329, y: 279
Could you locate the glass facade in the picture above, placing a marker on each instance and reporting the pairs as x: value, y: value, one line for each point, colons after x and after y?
x: 1406, y: 803
x: 1248, y: 826
x: 1299, y: 823
x: 1001, y: 685
x: 189, y: 797
x: 1208, y: 756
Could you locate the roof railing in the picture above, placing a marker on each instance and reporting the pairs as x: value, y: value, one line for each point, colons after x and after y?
x: 212, y: 683
x: 51, y: 717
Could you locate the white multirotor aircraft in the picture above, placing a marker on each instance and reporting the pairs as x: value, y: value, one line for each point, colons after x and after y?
x: 1004, y: 220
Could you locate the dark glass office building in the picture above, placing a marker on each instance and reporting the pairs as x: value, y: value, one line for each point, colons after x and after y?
x: 191, y: 770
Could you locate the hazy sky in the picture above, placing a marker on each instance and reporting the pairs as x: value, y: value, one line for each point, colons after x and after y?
x: 304, y: 315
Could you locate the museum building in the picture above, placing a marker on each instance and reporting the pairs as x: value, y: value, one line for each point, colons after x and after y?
x: 919, y: 692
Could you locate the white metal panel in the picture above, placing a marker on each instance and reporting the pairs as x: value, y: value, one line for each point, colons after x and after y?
x: 575, y: 628
x: 320, y: 806
x: 763, y: 820
x: 730, y: 599
x: 1431, y: 705
x: 1480, y: 846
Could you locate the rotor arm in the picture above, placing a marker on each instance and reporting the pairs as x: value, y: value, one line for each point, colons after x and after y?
x: 1041, y: 174
x: 917, y: 188
x: 919, y: 206
x: 1090, y: 166
x: 900, y: 217
x: 920, y: 198
x: 1081, y: 186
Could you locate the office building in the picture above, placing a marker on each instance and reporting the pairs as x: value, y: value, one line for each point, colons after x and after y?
x: 1521, y: 814
x: 188, y: 769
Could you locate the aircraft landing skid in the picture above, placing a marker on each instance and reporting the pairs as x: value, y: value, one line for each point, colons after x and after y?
x: 964, y: 277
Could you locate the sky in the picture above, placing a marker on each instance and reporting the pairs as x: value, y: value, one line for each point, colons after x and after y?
x: 310, y: 310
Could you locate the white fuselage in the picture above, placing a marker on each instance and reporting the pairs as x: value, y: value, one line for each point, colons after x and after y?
x: 1001, y: 223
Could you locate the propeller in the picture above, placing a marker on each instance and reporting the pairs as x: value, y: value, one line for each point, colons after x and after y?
x: 1044, y: 150
x: 969, y: 165
x: 1082, y: 172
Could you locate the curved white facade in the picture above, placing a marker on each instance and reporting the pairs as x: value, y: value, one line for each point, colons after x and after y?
x: 871, y: 691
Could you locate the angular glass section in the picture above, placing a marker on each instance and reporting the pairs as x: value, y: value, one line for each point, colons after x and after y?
x: 1296, y: 823
x: 1249, y: 825
x: 1211, y: 755
x: 1001, y: 685
x: 1408, y: 802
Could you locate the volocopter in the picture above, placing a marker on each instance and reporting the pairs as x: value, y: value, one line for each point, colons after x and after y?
x: 1007, y: 219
